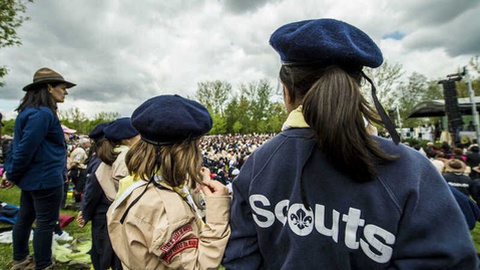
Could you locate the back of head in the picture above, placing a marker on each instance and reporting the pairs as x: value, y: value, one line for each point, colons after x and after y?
x: 114, y: 133
x: 84, y: 142
x: 458, y: 151
x: 170, y: 127
x: 322, y: 70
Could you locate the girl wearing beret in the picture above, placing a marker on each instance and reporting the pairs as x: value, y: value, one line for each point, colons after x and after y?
x: 95, y: 204
x: 154, y: 220
x: 105, y: 173
x: 120, y: 135
x: 37, y: 165
x: 324, y: 193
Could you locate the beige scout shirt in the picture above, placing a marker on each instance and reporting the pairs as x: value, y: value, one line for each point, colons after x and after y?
x: 79, y: 155
x: 162, y: 231
x: 109, y: 176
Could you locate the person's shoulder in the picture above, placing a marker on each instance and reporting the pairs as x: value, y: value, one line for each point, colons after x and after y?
x: 401, y: 150
x: 31, y: 112
x: 286, y: 136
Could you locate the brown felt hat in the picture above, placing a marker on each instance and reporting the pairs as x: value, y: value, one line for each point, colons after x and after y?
x: 46, y: 76
x: 455, y: 165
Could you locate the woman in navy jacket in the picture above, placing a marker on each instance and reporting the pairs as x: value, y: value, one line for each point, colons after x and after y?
x: 324, y: 193
x: 37, y: 166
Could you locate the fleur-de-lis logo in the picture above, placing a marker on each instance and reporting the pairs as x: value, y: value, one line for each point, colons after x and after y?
x: 301, y: 219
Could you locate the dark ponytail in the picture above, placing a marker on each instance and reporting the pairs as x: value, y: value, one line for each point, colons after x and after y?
x: 334, y: 107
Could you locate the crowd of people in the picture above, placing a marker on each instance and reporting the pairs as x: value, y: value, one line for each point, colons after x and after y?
x: 324, y: 193
x: 460, y: 165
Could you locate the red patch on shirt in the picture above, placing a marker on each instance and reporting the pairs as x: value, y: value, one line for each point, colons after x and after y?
x: 179, y: 247
x: 176, y: 236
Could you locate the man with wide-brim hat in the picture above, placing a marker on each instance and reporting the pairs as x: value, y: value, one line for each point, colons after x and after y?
x: 476, y: 169
x: 45, y: 76
x: 455, y: 166
x: 455, y: 177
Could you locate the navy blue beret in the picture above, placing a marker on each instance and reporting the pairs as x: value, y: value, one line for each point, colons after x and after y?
x: 120, y: 129
x: 97, y: 132
x: 325, y: 42
x: 167, y: 119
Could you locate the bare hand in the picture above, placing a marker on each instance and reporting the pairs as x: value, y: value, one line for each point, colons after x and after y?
x: 214, y: 188
x: 5, y: 184
x: 205, y: 173
x: 80, y: 221
x: 205, y: 176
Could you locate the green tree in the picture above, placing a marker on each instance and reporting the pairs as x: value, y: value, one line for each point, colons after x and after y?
x: 101, y: 117
x: 213, y: 94
x: 434, y: 91
x: 412, y: 93
x: 11, y: 18
x: 258, y: 95
x: 232, y: 115
x: 276, y: 117
x: 237, y: 127
x: 387, y: 78
x: 76, y: 119
x: 219, y: 124
x: 8, y: 126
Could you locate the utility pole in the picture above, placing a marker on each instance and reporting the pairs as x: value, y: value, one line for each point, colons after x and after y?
x: 398, y: 117
x: 472, y: 101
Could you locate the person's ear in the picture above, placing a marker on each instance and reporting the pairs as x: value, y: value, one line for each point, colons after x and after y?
x: 50, y: 88
x: 286, y: 95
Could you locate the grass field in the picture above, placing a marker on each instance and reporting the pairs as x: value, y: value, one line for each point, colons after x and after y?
x: 13, y: 196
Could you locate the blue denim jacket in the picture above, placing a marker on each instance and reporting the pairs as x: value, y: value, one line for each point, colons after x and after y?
x: 38, y: 154
x: 405, y: 219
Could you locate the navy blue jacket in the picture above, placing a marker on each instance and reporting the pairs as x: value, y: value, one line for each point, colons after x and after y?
x: 38, y: 156
x: 469, y: 209
x: 94, y: 204
x: 406, y: 219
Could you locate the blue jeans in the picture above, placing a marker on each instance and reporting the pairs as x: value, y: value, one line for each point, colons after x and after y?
x: 44, y: 206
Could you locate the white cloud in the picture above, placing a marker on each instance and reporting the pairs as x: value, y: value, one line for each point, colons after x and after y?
x: 123, y: 52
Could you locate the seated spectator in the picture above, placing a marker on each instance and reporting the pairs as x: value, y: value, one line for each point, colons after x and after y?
x: 458, y: 154
x: 439, y: 162
x: 431, y: 150
x: 473, y: 159
x: 454, y: 176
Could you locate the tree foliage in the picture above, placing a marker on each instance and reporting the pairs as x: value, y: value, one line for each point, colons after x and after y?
x: 11, y: 18
x: 387, y: 78
x: 76, y: 119
x: 249, y: 109
x: 213, y: 94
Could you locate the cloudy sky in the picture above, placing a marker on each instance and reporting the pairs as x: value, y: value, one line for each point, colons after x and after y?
x: 122, y: 52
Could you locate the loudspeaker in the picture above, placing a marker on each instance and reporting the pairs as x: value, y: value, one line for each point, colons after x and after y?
x: 451, y: 105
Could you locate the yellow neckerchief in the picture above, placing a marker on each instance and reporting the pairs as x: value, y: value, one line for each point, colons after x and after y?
x: 124, y: 184
x: 295, y: 120
x: 120, y: 148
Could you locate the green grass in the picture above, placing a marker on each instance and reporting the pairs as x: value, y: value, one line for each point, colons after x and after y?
x: 13, y: 196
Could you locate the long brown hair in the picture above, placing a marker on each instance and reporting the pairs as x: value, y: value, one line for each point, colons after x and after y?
x: 179, y: 162
x: 106, y: 151
x: 334, y: 107
x: 38, y: 97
